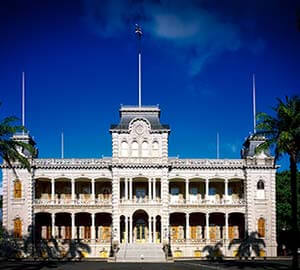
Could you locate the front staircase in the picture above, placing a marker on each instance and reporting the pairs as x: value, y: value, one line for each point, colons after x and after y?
x: 140, y: 253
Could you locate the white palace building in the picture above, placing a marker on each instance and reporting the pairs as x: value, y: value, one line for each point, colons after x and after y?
x: 142, y: 197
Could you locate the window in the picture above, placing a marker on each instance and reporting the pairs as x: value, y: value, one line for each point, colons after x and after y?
x: 17, y: 228
x: 261, y: 227
x: 135, y: 149
x: 155, y: 149
x: 145, y: 149
x: 260, y: 193
x: 260, y: 185
x: 124, y: 149
x: 17, y: 189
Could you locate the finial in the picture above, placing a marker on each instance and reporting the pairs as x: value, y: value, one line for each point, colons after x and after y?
x: 138, y: 31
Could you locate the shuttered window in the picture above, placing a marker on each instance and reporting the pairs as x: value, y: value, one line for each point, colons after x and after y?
x: 261, y: 227
x: 17, y: 189
x: 17, y: 228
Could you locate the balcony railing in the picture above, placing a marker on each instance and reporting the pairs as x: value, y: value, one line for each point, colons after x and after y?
x: 140, y: 201
x: 72, y: 202
x: 211, y: 200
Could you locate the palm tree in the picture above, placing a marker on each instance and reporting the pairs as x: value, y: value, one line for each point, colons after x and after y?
x: 249, y: 242
x: 214, y: 252
x: 9, y: 147
x: 283, y: 132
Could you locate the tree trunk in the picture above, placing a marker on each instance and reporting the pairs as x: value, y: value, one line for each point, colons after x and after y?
x: 294, y: 190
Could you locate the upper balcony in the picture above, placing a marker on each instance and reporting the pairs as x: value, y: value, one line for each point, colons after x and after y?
x: 216, y: 191
x: 80, y: 191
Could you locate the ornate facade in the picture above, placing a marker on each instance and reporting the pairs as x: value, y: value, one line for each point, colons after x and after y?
x: 141, y: 195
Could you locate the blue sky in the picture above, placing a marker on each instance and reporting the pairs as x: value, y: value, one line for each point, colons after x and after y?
x: 198, y: 59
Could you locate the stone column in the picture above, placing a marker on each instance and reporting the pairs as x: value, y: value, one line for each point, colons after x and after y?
x: 207, y: 226
x: 73, y: 228
x: 93, y: 232
x: 93, y: 190
x: 226, y: 226
x: 52, y: 189
x: 206, y: 189
x: 149, y: 189
x: 154, y: 230
x: 126, y: 229
x: 226, y: 189
x: 130, y: 189
x: 154, y: 189
x: 126, y: 188
x: 73, y: 189
x: 187, y: 191
x: 187, y: 226
x: 130, y: 228
x: 149, y: 229
x: 53, y: 225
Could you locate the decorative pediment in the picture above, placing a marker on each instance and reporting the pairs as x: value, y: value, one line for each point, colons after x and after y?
x: 140, y: 127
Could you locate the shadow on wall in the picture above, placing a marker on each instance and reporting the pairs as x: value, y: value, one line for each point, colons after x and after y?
x: 25, y: 247
x: 251, y: 242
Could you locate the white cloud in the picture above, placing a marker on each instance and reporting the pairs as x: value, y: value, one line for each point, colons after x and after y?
x: 199, y: 34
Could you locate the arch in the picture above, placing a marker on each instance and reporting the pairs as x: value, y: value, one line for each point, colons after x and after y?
x: 260, y: 185
x: 145, y: 149
x: 43, y: 225
x: 124, y: 149
x: 260, y: 191
x: 261, y: 227
x: 17, y: 189
x: 134, y: 149
x: 236, y: 225
x: 139, y: 119
x: 18, y: 228
x: 155, y: 149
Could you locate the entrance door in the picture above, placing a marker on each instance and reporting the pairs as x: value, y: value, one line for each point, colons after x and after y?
x: 140, y: 231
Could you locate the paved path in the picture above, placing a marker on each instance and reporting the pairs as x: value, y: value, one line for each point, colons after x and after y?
x: 184, y: 265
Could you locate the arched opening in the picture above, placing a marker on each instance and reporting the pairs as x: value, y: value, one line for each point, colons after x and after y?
x: 103, y: 190
x: 260, y: 191
x: 177, y: 190
x: 63, y: 223
x: 17, y: 189
x: 177, y: 226
x: 140, y: 227
x: 63, y: 189
x: 216, y: 190
x: 43, y: 226
x: 197, y: 226
x: 134, y: 149
x: 83, y: 224
x: 83, y: 189
x: 261, y: 224
x: 236, y: 226
x: 216, y: 226
x: 43, y: 189
x: 157, y: 230
x: 196, y: 190
x: 155, y: 149
x: 145, y: 149
x: 18, y: 228
x: 124, y: 149
x: 235, y: 190
x: 103, y: 224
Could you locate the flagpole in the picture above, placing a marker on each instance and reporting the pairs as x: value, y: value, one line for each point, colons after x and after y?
x: 254, y: 103
x: 139, y: 33
x: 23, y: 100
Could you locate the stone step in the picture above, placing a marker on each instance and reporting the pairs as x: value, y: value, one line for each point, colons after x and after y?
x: 140, y: 252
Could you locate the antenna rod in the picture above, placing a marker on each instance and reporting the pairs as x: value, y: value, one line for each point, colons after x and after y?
x: 23, y: 99
x: 254, y: 105
x: 218, y: 149
x: 139, y: 33
x: 62, y: 145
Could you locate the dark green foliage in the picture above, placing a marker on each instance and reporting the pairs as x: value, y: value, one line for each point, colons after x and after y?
x: 8, y: 147
x: 249, y: 242
x: 214, y: 252
x: 283, y: 133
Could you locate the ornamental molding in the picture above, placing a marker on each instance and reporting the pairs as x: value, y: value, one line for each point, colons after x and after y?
x: 206, y: 163
x: 72, y: 163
